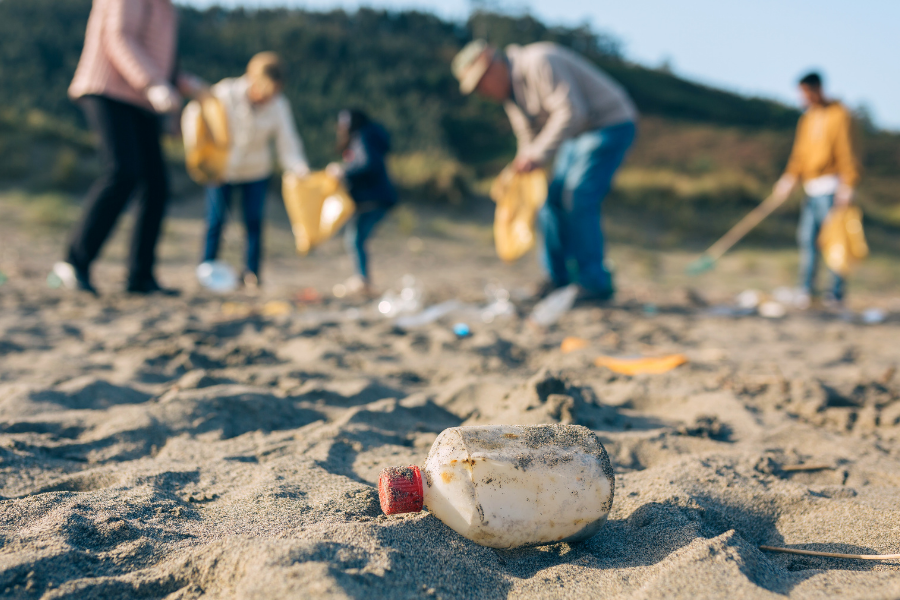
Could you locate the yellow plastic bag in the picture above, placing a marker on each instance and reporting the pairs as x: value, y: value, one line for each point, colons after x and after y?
x: 206, y: 140
x: 842, y: 240
x: 518, y: 196
x: 637, y: 366
x: 317, y: 205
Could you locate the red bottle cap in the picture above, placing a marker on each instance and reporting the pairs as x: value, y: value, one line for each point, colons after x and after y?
x: 400, y: 490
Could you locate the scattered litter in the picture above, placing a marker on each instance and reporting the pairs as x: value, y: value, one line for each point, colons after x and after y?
x: 772, y: 310
x: 408, y: 300
x: 429, y: 315
x: 462, y: 330
x: 498, y: 305
x: 3, y: 278
x: 276, y: 308
x: 236, y: 309
x: 549, y: 310
x: 748, y: 299
x: 308, y: 295
x: 651, y: 309
x: 637, y: 366
x: 565, y: 492
x: 873, y: 316
x: 217, y: 276
x: 573, y: 344
x: 784, y: 295
x: 831, y: 554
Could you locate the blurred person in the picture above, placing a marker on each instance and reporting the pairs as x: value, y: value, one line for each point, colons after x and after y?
x: 823, y: 160
x: 257, y: 113
x: 572, y: 118
x: 363, y: 144
x: 126, y: 78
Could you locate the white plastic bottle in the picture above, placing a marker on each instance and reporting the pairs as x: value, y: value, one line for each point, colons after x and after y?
x: 506, y: 486
x: 551, y: 309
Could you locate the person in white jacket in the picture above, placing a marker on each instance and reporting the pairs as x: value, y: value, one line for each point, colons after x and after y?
x: 257, y: 114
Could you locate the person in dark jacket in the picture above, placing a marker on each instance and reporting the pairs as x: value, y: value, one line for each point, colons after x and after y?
x: 363, y: 144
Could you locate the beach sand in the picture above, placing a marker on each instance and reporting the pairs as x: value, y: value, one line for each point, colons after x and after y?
x: 218, y: 446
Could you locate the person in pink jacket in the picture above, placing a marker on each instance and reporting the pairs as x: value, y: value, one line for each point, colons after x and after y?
x: 126, y: 78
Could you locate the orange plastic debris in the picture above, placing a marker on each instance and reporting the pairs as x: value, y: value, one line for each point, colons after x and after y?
x: 317, y: 205
x: 572, y: 344
x: 206, y: 153
x: 842, y: 240
x: 518, y: 196
x: 637, y: 366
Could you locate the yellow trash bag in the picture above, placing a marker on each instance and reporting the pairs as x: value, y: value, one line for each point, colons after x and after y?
x: 518, y: 197
x: 842, y: 240
x: 317, y: 205
x: 206, y: 140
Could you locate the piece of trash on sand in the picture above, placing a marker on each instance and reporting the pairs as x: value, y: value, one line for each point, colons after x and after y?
x: 498, y: 305
x: 551, y: 309
x: 429, y: 315
x: 772, y: 310
x: 276, y: 308
x: 831, y: 554
x: 308, y: 295
x: 461, y: 330
x: 641, y: 365
x: 651, y: 309
x: 748, y: 299
x: 407, y: 300
x: 873, y: 316
x: 217, y: 276
x: 3, y: 278
x: 507, y: 486
x: 236, y: 309
x: 573, y: 344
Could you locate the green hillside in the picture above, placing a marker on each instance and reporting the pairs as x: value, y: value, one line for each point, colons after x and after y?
x: 395, y: 64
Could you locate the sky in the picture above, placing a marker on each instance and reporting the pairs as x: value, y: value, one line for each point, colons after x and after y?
x: 757, y: 48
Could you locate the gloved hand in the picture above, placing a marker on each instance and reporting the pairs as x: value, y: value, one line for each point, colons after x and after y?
x: 844, y: 195
x: 336, y: 170
x: 784, y: 187
x: 163, y: 98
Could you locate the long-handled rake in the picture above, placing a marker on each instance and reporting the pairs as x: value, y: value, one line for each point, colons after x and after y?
x: 707, y: 260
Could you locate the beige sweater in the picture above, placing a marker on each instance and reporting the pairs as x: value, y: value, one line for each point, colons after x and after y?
x: 128, y: 46
x: 252, y: 129
x: 558, y: 95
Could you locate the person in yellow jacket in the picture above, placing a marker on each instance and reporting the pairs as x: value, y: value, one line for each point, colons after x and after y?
x: 824, y: 162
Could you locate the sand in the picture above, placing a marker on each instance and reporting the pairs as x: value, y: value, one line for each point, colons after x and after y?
x: 185, y: 447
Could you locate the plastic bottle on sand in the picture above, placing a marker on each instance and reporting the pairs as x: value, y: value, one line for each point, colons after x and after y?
x: 217, y: 276
x: 549, y: 310
x: 506, y: 486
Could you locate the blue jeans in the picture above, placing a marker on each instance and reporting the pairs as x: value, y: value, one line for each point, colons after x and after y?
x: 570, y: 219
x: 358, y: 230
x: 812, y: 215
x: 218, y: 202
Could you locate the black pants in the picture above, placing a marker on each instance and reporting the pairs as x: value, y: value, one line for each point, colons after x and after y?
x: 132, y: 163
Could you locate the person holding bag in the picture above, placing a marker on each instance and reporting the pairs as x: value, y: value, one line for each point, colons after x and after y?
x: 257, y: 113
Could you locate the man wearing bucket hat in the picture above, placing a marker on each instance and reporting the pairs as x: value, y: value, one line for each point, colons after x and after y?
x: 569, y: 115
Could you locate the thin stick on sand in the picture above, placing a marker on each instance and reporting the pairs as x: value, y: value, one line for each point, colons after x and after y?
x: 793, y: 468
x: 832, y: 554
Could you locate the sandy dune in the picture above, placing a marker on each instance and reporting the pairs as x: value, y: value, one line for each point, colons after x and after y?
x: 176, y: 448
